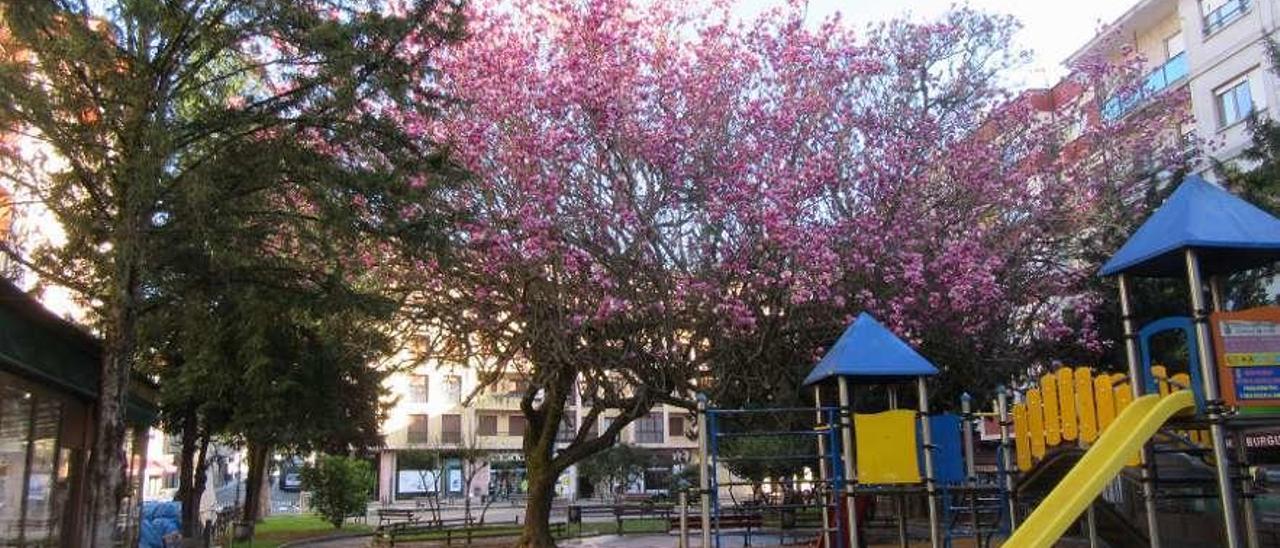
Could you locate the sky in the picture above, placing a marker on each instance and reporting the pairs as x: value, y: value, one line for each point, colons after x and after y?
x: 1051, y: 30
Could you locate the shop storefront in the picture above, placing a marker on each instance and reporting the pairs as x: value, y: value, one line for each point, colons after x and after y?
x: 507, y: 476
x: 48, y: 380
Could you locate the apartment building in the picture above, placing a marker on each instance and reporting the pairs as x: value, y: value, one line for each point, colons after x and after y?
x: 1214, y: 49
x: 433, y: 416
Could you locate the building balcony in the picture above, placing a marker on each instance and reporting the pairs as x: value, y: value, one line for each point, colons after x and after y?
x: 498, y: 402
x: 1224, y: 15
x: 1165, y: 76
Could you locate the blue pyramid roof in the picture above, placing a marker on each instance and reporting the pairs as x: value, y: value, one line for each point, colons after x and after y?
x: 1229, y: 233
x: 868, y: 349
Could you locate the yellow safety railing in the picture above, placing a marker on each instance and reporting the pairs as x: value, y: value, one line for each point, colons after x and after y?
x: 1072, y: 405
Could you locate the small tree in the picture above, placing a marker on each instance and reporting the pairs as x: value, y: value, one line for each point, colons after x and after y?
x: 339, y: 486
x: 617, y: 466
x: 472, y: 459
x: 760, y: 459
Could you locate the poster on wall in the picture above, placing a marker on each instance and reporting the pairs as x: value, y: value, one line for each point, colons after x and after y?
x: 455, y: 480
x: 415, y: 481
x: 1247, y: 348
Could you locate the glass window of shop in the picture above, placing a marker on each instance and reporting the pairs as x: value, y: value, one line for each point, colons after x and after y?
x: 507, y: 478
x: 34, y: 469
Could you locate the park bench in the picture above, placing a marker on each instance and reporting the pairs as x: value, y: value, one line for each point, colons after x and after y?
x: 393, y: 516
x: 637, y: 498
x: 744, y: 522
x: 621, y: 511
x: 449, y: 529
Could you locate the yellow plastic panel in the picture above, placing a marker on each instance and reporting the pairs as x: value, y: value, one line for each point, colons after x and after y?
x: 1161, y: 375
x: 1181, y: 381
x: 1086, y: 480
x: 1035, y: 423
x: 1067, y: 403
x: 1124, y: 396
x: 1084, y: 402
x: 1052, y: 420
x: 1104, y: 398
x: 1021, y: 437
x: 887, y: 447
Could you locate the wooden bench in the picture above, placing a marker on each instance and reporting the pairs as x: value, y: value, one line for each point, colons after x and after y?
x: 392, y: 516
x: 637, y: 498
x: 745, y: 522
x: 620, y: 511
x: 459, y: 528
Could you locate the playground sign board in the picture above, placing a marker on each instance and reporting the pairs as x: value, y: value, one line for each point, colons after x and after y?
x: 1247, y: 344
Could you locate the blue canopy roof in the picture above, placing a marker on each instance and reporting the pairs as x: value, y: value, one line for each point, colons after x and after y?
x: 868, y: 349
x: 1229, y: 233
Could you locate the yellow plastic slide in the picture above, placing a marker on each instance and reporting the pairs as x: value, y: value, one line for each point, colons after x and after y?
x: 1102, y: 462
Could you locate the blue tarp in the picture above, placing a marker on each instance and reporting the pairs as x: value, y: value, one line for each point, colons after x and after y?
x: 948, y: 458
x: 159, y: 519
x: 1229, y: 233
x: 868, y: 349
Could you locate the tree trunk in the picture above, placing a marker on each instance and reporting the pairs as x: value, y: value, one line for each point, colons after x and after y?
x: 197, y: 488
x: 466, y: 501
x: 537, y: 511
x: 186, y: 473
x: 253, y: 488
x: 106, y: 484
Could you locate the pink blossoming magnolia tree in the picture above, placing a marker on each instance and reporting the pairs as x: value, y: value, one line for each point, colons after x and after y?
x: 667, y: 201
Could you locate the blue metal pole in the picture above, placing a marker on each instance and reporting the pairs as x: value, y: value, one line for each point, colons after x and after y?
x: 837, y: 476
x: 713, y: 423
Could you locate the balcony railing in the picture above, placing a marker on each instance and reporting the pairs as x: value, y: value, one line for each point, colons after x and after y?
x: 1224, y: 15
x: 1164, y: 76
x: 503, y: 401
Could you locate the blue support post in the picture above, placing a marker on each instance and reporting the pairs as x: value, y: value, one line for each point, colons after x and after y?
x: 714, y: 428
x: 837, y: 476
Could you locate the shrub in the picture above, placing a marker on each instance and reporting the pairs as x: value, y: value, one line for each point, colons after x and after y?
x: 340, y: 486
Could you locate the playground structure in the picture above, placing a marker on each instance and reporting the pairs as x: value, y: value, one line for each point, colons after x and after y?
x: 898, y: 455
x: 1109, y: 422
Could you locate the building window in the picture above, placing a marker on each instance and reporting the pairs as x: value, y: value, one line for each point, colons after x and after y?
x: 488, y: 425
x: 1220, y: 13
x: 1234, y: 101
x: 453, y: 389
x: 418, y: 389
x: 675, y: 425
x: 172, y: 444
x: 1174, y: 46
x: 515, y: 425
x: 451, y: 428
x: 34, y: 472
x: 418, y: 429
x: 649, y: 428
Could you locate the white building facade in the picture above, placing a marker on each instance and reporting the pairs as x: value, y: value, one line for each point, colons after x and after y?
x: 429, y: 417
x: 1214, y: 49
